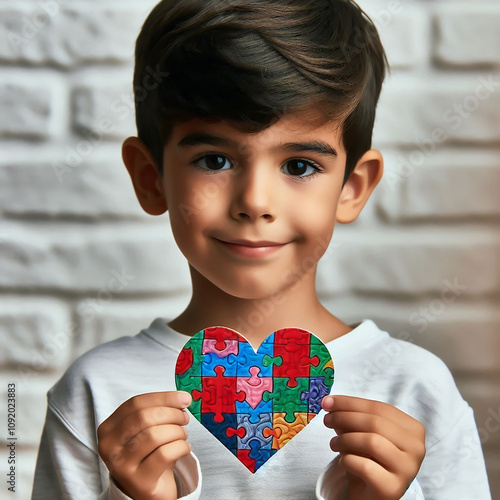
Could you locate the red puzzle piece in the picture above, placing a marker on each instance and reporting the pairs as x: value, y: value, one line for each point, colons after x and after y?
x: 219, y: 394
x: 294, y: 351
x: 220, y: 335
x: 184, y: 361
x: 240, y: 432
x: 244, y: 457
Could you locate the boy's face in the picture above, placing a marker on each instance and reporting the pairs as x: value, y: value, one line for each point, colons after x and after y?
x: 257, y: 189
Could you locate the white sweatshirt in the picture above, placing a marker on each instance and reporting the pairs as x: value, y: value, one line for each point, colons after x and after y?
x: 368, y: 362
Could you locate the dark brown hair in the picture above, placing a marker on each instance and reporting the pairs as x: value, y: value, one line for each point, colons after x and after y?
x: 251, y: 61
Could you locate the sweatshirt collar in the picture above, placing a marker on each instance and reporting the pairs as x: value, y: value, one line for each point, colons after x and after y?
x: 363, y: 333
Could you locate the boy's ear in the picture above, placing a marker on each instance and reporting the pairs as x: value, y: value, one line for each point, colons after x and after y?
x: 359, y: 186
x: 145, y: 178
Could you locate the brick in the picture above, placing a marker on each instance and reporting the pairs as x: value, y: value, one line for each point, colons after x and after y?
x: 70, y: 35
x: 100, y: 325
x: 449, y: 185
x: 466, y: 345
x: 105, y: 109
x: 37, y: 342
x: 27, y: 108
x: 413, y: 112
x: 105, y: 261
x: 403, y: 261
x: 400, y: 26
x: 65, y: 187
x: 467, y: 36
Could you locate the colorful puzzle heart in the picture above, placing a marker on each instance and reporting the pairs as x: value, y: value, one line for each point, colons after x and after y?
x: 254, y: 402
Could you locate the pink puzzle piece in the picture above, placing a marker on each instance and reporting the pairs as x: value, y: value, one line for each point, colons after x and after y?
x: 211, y: 346
x: 254, y: 386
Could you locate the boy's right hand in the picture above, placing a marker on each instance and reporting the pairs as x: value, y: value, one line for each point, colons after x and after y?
x: 141, y: 441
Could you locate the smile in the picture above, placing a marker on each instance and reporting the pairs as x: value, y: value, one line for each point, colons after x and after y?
x: 252, y: 251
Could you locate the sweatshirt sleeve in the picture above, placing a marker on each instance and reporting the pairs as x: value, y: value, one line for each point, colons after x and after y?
x: 453, y: 467
x: 68, y: 468
x: 332, y: 485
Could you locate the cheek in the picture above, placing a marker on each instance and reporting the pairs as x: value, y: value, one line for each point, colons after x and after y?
x: 184, y: 202
x: 316, y: 224
x: 184, y: 210
x: 316, y: 216
x: 196, y: 210
x: 202, y: 194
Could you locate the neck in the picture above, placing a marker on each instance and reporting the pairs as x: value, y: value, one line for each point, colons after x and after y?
x: 295, y: 306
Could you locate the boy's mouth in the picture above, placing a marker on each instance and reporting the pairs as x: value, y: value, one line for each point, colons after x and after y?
x: 247, y: 248
x: 254, y: 244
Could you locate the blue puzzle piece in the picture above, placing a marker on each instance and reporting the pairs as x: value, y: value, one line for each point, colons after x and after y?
x: 219, y: 430
x: 317, y: 391
x: 269, y: 340
x: 244, y: 407
x: 248, y: 357
x: 255, y: 433
x: 260, y: 455
x: 211, y: 360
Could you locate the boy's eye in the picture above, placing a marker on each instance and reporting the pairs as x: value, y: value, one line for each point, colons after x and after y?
x: 212, y: 162
x: 300, y: 169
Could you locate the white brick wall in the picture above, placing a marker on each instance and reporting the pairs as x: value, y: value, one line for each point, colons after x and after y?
x: 70, y: 222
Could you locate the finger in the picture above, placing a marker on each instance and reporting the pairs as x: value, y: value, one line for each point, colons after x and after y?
x: 144, y: 443
x: 146, y: 418
x: 170, y: 399
x: 370, y: 472
x: 355, y: 404
x: 343, y: 422
x: 157, y: 400
x: 162, y: 458
x: 372, y: 446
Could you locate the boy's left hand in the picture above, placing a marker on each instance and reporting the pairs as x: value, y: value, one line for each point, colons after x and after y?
x: 381, y: 448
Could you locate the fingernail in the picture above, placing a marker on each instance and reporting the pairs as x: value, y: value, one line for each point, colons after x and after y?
x: 327, y: 403
x: 185, y: 432
x: 185, y: 398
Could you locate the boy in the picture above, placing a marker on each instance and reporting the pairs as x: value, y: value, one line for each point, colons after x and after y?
x: 282, y: 93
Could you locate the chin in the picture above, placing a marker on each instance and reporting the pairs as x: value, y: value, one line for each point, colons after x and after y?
x: 247, y: 291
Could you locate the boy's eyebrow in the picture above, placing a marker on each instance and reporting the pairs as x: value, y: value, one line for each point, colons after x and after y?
x: 198, y: 138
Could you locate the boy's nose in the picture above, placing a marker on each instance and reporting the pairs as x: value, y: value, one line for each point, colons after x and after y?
x: 254, y: 196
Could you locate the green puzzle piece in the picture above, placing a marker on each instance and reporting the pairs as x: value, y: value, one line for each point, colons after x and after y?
x: 287, y: 399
